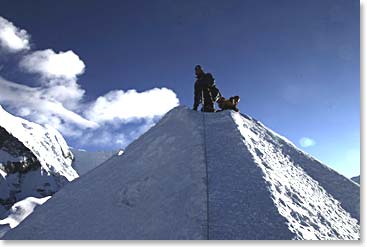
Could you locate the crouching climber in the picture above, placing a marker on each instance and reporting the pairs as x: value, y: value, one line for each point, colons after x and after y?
x: 229, y: 104
x: 206, y: 92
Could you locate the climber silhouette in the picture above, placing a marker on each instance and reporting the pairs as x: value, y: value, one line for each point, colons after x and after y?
x: 206, y: 92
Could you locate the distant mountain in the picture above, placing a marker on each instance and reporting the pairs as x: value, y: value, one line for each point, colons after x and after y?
x: 357, y: 179
x: 84, y: 161
x: 201, y: 175
x: 35, y: 162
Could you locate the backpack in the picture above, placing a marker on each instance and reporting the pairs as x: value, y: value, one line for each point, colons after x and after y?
x: 214, y: 92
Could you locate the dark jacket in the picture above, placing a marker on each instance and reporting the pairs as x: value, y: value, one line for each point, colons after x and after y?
x: 203, y: 85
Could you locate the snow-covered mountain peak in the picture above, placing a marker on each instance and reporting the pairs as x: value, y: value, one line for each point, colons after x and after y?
x: 46, y: 143
x: 202, y: 176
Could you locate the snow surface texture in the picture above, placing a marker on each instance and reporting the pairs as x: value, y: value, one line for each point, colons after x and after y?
x: 202, y: 176
x: 85, y: 161
x: 46, y: 143
x: 311, y: 212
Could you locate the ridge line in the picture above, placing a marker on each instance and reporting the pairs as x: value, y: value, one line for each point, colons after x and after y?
x: 207, y: 176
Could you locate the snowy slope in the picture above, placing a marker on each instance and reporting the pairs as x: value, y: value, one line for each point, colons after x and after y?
x: 202, y: 176
x: 84, y: 161
x: 312, y: 211
x: 46, y: 144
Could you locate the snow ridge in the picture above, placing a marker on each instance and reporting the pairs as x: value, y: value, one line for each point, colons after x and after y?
x: 312, y: 213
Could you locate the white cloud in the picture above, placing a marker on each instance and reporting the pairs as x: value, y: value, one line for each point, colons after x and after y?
x: 36, y: 104
x: 69, y: 93
x: 58, y: 98
x: 113, y: 136
x: 54, y: 65
x: 59, y: 73
x: 12, y: 38
x: 97, y: 123
x: 131, y: 105
x: 307, y: 142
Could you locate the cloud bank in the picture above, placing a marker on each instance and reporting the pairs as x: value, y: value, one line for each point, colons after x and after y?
x: 131, y: 105
x: 53, y: 65
x: 58, y: 99
x: 12, y: 39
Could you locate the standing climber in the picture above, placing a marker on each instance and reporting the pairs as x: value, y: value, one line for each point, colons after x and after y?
x: 206, y: 92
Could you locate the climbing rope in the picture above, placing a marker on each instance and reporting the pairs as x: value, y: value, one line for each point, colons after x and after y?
x: 207, y: 176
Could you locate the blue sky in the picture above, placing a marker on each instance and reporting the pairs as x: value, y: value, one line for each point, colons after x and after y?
x: 294, y: 63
